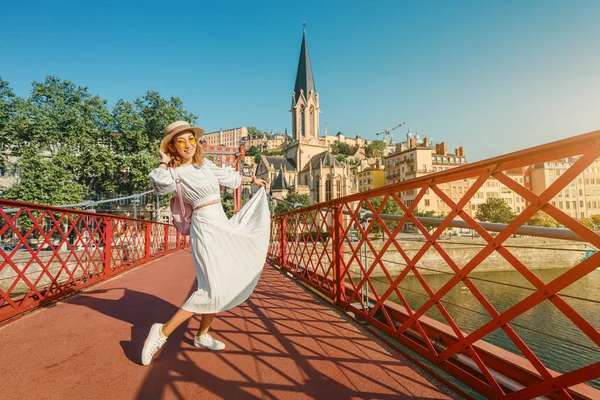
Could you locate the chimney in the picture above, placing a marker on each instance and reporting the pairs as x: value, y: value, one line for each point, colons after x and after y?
x: 443, y: 149
x: 462, y: 151
x: 426, y: 141
x: 413, y: 143
x: 457, y: 152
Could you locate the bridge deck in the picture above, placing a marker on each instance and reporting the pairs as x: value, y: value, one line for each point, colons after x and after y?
x: 281, y: 344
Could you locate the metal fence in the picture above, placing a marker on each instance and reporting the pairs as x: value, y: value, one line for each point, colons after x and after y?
x: 47, y: 254
x: 370, y: 264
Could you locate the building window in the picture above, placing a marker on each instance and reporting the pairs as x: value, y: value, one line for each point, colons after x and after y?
x: 328, y: 189
x: 427, y: 202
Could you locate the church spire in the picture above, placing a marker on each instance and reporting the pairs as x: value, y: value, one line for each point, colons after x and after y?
x: 304, y: 76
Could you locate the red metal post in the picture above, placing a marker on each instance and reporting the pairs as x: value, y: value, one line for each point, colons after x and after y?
x: 166, y: 250
x: 283, y: 241
x: 147, y: 238
x: 108, y: 238
x: 338, y: 254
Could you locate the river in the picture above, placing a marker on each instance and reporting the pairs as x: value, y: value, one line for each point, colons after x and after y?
x: 555, y: 340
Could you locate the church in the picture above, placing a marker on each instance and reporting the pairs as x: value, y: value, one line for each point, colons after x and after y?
x: 307, y: 166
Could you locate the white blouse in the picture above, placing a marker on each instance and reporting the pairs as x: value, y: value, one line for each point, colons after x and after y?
x: 200, y: 184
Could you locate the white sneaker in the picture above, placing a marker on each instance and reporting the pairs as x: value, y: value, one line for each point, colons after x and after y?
x: 209, y: 342
x: 152, y: 344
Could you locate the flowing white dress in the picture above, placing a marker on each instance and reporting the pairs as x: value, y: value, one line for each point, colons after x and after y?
x: 229, y: 254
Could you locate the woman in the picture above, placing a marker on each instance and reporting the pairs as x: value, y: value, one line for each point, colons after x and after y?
x: 228, y: 254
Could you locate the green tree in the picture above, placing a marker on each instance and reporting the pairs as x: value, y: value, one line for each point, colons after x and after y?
x: 7, y: 108
x: 341, y: 148
x: 43, y: 181
x: 588, y: 222
x: 253, y: 131
x: 495, y: 210
x: 295, y: 198
x: 596, y: 219
x: 540, y: 218
x: 158, y: 112
x: 253, y: 151
x: 375, y: 148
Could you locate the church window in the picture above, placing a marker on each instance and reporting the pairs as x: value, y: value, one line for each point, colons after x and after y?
x: 338, y: 188
x: 328, y: 189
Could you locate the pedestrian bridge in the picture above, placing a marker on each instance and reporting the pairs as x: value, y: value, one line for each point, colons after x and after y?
x: 363, y: 296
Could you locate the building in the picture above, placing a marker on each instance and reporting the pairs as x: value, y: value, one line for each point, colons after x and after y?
x: 371, y: 178
x: 581, y: 198
x: 229, y: 137
x: 307, y: 166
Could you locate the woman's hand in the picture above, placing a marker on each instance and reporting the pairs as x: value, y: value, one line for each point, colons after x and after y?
x: 259, y: 182
x: 164, y: 157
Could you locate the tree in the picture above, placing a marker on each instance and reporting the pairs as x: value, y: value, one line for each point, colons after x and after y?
x: 7, y: 107
x: 43, y: 181
x: 588, y: 222
x: 495, y: 210
x: 253, y: 151
x: 596, y: 219
x: 158, y: 112
x: 540, y: 218
x: 295, y: 198
x: 341, y: 148
x: 253, y: 131
x: 375, y: 148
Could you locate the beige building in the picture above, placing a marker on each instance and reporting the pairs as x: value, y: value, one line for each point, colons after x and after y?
x: 307, y: 166
x: 422, y: 159
x: 228, y: 137
x: 581, y: 198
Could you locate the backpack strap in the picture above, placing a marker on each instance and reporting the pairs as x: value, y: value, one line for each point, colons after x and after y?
x: 178, y: 189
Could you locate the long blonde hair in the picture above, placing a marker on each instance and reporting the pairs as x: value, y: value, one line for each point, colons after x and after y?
x: 176, y: 160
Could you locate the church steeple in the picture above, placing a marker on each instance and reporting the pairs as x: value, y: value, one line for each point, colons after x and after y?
x: 305, y: 99
x: 304, y: 76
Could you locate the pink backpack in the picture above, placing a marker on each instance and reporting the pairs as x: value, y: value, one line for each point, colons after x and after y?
x: 181, y: 211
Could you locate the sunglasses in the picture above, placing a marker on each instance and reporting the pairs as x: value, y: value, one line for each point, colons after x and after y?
x: 180, y: 143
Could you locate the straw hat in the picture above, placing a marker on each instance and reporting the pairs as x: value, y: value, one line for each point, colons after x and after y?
x: 177, y: 127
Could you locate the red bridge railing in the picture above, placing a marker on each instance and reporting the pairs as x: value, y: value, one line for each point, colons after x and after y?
x: 370, y: 265
x: 49, y: 253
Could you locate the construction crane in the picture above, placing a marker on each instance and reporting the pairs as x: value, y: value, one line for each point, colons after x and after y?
x: 387, y: 132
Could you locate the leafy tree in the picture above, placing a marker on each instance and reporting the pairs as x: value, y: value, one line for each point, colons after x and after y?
x: 295, y: 198
x: 596, y: 219
x: 60, y: 113
x: 7, y: 107
x: 588, y: 222
x: 341, y: 158
x: 128, y: 129
x: 252, y: 151
x: 495, y: 210
x: 341, y: 148
x: 375, y: 148
x: 43, y: 181
x: 540, y: 218
x: 253, y: 131
x: 158, y: 112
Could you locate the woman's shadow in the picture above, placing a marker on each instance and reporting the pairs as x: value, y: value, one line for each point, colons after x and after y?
x: 139, y: 309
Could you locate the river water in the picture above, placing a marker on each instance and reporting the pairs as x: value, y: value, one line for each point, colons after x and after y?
x: 555, y: 340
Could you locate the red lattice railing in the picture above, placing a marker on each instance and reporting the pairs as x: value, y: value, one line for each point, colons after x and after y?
x: 48, y: 253
x: 402, y: 273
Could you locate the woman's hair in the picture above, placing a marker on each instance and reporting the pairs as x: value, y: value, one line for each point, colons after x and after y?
x: 176, y: 160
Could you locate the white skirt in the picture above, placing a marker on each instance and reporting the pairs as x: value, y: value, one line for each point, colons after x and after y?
x: 229, y: 254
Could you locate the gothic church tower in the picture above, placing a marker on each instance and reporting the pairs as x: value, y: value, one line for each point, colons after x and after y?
x: 305, y: 100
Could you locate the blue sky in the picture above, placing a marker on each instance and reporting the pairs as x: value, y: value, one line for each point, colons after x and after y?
x: 492, y: 76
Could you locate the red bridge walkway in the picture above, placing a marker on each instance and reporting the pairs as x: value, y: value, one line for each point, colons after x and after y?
x: 281, y: 344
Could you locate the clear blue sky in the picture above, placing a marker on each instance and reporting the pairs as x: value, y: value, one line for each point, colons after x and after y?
x: 492, y: 76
